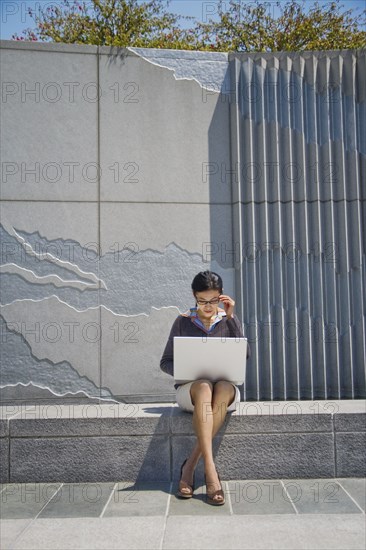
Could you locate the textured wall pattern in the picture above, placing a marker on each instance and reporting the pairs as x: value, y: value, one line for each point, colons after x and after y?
x: 300, y: 123
x: 125, y: 172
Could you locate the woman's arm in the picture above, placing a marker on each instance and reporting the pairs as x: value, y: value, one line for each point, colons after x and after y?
x: 166, y: 361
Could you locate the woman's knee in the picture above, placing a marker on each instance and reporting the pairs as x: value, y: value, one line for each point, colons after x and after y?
x: 202, y: 388
x: 224, y: 390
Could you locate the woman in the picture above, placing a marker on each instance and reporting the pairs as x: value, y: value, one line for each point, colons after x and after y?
x: 206, y: 318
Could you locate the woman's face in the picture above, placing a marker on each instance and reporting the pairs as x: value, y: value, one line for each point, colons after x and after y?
x: 204, y: 309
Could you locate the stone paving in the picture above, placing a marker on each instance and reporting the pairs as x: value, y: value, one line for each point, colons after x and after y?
x: 258, y: 514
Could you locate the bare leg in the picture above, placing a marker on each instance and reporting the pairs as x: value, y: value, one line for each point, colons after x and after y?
x: 210, y: 409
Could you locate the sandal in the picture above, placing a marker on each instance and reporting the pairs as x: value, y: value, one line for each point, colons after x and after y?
x: 210, y: 498
x: 184, y: 484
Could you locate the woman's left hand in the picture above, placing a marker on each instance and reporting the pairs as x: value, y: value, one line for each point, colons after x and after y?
x: 228, y: 304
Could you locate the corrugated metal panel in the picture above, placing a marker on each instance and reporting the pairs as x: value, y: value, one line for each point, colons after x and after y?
x: 298, y: 124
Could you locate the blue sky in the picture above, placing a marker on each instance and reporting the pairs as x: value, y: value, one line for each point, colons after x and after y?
x: 15, y: 18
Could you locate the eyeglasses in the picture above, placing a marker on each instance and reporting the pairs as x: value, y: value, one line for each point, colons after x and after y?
x: 213, y: 302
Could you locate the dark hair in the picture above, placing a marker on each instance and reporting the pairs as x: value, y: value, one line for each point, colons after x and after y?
x: 207, y: 280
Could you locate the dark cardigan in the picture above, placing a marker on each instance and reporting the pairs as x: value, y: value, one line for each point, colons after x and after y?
x: 184, y: 326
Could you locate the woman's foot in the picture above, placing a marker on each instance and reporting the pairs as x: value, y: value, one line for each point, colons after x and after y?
x: 214, y: 492
x: 186, y: 482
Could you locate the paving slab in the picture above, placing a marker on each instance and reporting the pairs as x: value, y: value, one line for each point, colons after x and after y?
x: 280, y: 532
x: 257, y: 514
x: 78, y: 500
x: 11, y: 529
x: 259, y: 497
x: 25, y: 500
x: 120, y: 533
x: 134, y: 499
x: 319, y: 496
x: 356, y: 488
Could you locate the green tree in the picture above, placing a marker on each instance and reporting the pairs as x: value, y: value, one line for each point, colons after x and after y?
x: 240, y: 26
x: 251, y: 27
x: 109, y: 23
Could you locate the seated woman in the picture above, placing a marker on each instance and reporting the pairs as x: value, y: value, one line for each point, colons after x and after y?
x: 206, y: 318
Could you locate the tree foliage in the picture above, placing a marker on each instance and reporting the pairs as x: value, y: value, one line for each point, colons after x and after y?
x: 252, y: 27
x: 239, y: 26
x: 107, y: 23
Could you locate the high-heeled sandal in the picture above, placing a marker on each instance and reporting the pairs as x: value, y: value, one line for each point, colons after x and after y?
x: 184, y: 484
x: 210, y: 498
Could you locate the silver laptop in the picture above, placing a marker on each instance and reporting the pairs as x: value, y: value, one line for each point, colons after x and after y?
x: 211, y: 358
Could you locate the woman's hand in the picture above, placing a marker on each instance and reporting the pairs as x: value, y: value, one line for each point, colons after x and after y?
x: 228, y: 304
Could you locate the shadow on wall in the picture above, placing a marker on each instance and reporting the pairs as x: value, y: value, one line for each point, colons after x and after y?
x: 165, y: 455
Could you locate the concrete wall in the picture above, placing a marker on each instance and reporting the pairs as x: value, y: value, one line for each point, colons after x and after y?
x: 103, y: 442
x: 127, y: 171
x: 300, y: 130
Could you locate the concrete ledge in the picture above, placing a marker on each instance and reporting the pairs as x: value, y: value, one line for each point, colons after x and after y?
x: 113, y: 441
